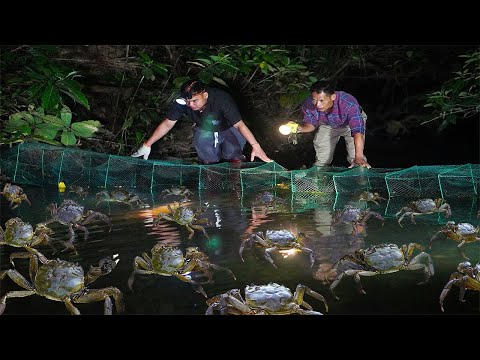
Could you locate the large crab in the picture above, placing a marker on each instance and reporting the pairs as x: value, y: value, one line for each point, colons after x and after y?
x: 21, y: 234
x: 369, y: 196
x: 14, y: 194
x: 423, y: 207
x: 183, y: 215
x: 121, y: 196
x: 461, y: 232
x: 272, y: 240
x: 357, y: 217
x: 467, y: 278
x: 64, y: 281
x: 271, y: 299
x: 382, y: 259
x: 169, y: 261
x: 177, y: 191
x: 73, y: 214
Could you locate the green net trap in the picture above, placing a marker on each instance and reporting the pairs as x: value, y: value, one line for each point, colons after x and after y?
x: 46, y: 165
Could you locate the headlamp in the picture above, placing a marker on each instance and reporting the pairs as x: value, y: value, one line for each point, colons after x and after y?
x: 183, y: 98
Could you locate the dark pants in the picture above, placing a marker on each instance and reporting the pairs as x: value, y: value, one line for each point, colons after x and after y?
x: 229, y: 145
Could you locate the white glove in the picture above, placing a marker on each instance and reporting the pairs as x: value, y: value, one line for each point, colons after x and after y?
x: 144, y: 150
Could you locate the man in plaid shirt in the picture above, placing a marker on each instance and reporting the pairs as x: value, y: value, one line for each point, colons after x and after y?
x: 334, y: 114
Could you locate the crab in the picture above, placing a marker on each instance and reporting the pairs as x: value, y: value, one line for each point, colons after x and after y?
x: 268, y: 199
x: 183, y: 215
x: 271, y: 299
x: 14, y: 194
x: 169, y: 261
x: 423, y: 207
x: 355, y: 216
x: 73, y: 214
x: 276, y: 240
x: 21, y: 234
x: 64, y: 281
x: 467, y: 278
x: 369, y: 196
x: 79, y: 190
x: 382, y: 259
x: 177, y: 191
x: 461, y: 232
x: 119, y: 195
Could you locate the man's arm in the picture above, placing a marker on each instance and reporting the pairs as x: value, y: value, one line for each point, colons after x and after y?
x: 256, y: 148
x: 164, y: 127
x: 305, y: 128
x: 358, y: 141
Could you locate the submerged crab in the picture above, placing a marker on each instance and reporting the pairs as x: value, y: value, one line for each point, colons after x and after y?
x: 268, y: 199
x: 14, y: 194
x: 467, y: 278
x: 73, y: 214
x: 461, y: 232
x: 178, y: 191
x: 382, y: 259
x: 185, y: 216
x: 64, y: 281
x: 423, y: 207
x: 119, y: 195
x: 21, y: 234
x: 169, y: 261
x: 355, y: 216
x: 276, y: 240
x: 271, y: 299
x: 79, y: 190
x: 369, y: 196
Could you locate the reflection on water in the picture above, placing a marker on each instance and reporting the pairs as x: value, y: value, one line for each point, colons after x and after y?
x: 233, y: 218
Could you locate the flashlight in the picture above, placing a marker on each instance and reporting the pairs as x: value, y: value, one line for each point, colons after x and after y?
x: 290, y: 129
x: 285, y: 129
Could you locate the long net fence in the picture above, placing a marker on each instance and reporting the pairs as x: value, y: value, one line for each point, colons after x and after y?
x: 46, y: 165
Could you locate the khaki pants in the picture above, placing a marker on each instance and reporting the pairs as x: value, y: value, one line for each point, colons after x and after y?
x: 326, y: 140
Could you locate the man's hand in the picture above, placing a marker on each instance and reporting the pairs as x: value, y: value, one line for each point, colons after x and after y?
x: 258, y: 152
x: 144, y: 150
x: 360, y: 162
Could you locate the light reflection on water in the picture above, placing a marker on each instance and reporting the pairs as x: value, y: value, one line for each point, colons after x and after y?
x: 133, y: 233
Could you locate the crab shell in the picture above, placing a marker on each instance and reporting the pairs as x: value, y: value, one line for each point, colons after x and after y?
x: 384, y: 257
x: 272, y: 297
x: 58, y: 279
x: 167, y: 259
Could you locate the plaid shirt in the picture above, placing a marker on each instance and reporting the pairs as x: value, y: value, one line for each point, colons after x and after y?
x: 345, y: 111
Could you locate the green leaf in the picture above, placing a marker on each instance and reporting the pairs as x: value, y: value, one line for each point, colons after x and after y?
x: 68, y: 138
x: 52, y: 119
x: 50, y: 97
x: 66, y: 117
x: 35, y: 90
x: 86, y: 129
x: 220, y: 81
x: 148, y: 73
x: 16, y: 123
x: 180, y: 80
x: 205, y: 76
x: 409, y: 53
x: 48, y: 131
x: 72, y: 89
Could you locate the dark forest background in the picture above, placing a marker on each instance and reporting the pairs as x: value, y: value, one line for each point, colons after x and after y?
x: 423, y: 102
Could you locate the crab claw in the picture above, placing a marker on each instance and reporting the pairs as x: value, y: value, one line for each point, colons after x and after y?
x: 108, y: 264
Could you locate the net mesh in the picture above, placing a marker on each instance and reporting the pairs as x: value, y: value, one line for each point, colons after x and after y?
x: 44, y: 165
